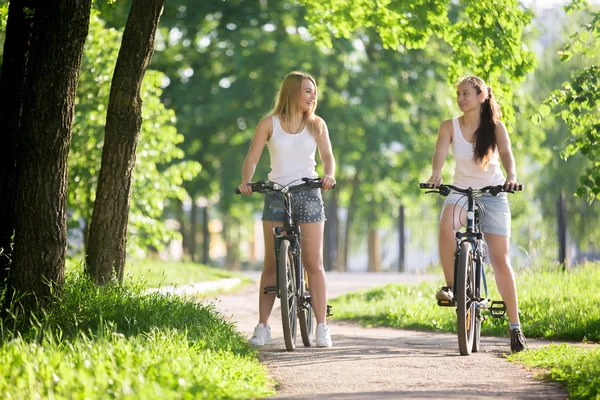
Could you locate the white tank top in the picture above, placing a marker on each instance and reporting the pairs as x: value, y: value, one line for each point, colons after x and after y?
x: 467, y: 173
x: 292, y: 156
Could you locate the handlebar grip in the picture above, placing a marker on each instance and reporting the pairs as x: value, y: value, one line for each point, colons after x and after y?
x: 425, y: 186
x: 237, y: 191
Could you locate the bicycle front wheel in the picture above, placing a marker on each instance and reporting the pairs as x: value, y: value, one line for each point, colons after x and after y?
x: 287, y: 293
x: 477, y: 326
x: 305, y: 315
x: 465, y: 298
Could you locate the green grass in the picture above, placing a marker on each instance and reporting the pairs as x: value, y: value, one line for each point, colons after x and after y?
x: 168, y: 273
x: 577, y: 368
x: 553, y: 305
x: 118, y: 342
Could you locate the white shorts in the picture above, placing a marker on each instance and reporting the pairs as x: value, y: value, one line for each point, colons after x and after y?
x: 495, y: 218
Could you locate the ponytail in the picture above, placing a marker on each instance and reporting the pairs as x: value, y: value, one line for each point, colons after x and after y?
x: 485, y: 136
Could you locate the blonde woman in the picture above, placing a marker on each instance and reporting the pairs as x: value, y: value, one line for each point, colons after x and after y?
x: 293, y: 132
x: 480, y: 144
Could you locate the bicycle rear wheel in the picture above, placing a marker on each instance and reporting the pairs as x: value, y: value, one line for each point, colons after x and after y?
x: 287, y: 293
x: 305, y: 315
x: 465, y: 301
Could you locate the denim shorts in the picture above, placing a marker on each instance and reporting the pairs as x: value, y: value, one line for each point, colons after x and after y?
x: 496, y: 215
x: 307, y: 206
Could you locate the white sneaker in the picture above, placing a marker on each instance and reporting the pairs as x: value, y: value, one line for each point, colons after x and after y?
x: 262, y: 335
x: 323, y: 336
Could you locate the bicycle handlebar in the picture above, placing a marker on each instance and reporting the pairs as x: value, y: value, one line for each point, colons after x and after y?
x: 262, y: 186
x: 444, y: 190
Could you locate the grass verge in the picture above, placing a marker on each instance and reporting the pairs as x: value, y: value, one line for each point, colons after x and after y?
x: 577, y: 368
x: 116, y: 341
x: 168, y: 273
x: 553, y: 305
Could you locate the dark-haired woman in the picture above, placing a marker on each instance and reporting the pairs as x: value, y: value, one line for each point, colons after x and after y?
x: 479, y: 143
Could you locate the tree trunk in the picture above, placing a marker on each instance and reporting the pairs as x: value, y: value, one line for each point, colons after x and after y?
x: 562, y: 231
x: 205, y: 237
x: 12, y: 81
x: 330, y: 248
x: 59, y: 31
x: 349, y: 221
x: 232, y: 246
x: 180, y: 216
x: 374, y: 249
x: 193, y: 224
x: 108, y: 229
x: 401, y: 240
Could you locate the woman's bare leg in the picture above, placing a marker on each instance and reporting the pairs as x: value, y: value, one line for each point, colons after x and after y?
x: 268, y: 276
x: 505, y: 277
x: 312, y: 258
x: 449, y: 221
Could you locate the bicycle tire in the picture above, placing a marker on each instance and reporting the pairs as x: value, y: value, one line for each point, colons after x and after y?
x: 287, y: 294
x: 305, y: 315
x: 465, y: 302
x: 477, y: 327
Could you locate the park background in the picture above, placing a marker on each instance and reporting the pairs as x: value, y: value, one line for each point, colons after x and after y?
x: 215, y: 73
x: 108, y: 168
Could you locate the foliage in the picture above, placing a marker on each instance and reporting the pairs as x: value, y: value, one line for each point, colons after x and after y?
x: 576, y: 367
x: 485, y: 38
x: 159, y: 171
x: 538, y: 146
x: 3, y: 15
x: 578, y: 104
x: 553, y: 305
x: 383, y: 86
x: 117, y: 341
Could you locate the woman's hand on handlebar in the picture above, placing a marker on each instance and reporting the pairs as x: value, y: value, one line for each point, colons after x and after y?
x: 435, y: 181
x: 327, y: 182
x: 511, y: 184
x: 245, y: 188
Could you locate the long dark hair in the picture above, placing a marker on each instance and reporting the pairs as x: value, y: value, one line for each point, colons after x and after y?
x: 485, y: 136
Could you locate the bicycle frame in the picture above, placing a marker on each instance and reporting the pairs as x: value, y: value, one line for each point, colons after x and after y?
x: 473, y: 236
x: 290, y: 232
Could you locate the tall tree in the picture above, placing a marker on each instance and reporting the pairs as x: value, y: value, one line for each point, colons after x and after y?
x: 578, y: 102
x: 484, y: 38
x: 12, y: 81
x: 108, y: 229
x: 59, y: 30
x: 159, y: 171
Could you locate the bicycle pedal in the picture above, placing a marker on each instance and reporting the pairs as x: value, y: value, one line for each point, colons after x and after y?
x: 497, y: 309
x: 270, y: 290
x: 329, y: 313
x: 446, y: 303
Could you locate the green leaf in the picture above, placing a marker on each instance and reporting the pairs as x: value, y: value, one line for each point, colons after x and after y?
x: 544, y: 110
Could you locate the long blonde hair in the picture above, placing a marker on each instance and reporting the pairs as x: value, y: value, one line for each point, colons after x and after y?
x: 287, y: 102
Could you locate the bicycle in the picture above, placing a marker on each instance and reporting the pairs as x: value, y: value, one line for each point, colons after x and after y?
x: 291, y: 277
x: 469, y: 271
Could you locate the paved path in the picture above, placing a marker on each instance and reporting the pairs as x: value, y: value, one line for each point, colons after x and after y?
x: 384, y: 363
